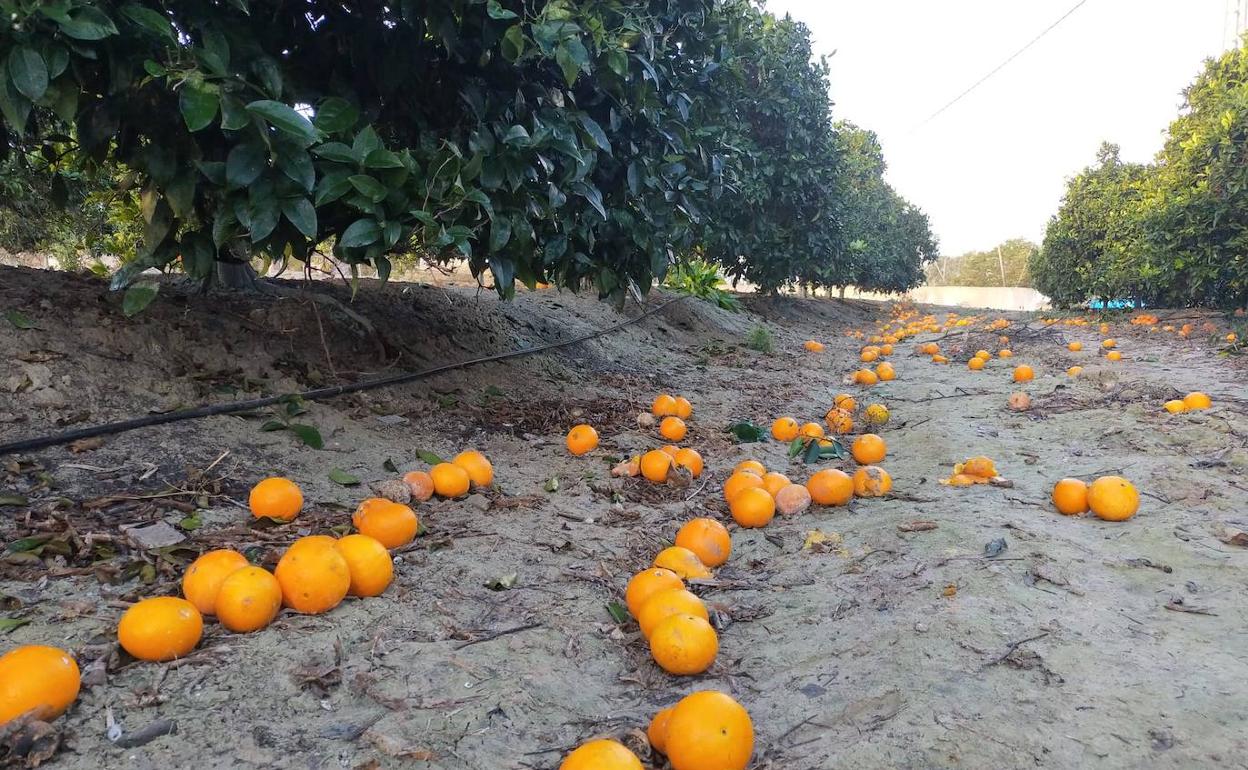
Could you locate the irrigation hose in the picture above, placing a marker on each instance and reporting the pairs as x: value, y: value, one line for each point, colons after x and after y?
x: 318, y: 394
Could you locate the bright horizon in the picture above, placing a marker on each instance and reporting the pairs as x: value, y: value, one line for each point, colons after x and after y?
x: 994, y: 165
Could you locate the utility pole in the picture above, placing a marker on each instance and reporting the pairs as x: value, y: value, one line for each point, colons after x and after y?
x: 1001, y: 263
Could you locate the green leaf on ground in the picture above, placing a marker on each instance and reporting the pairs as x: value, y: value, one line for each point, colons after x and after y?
x: 308, y: 435
x: 137, y: 297
x: 341, y: 477
x: 618, y: 612
x: 19, y: 320
x: 7, y: 625
x: 429, y: 457
x: 746, y: 432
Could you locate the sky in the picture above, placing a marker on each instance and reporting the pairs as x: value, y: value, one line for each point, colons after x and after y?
x: 994, y: 165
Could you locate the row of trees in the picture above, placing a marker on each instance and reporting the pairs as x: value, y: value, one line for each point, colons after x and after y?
x: 540, y: 140
x: 1006, y: 264
x: 1170, y: 233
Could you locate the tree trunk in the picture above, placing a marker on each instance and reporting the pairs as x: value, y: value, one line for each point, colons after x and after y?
x: 236, y: 275
x: 842, y: 292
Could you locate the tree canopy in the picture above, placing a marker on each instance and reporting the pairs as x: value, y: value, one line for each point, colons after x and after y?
x: 539, y: 140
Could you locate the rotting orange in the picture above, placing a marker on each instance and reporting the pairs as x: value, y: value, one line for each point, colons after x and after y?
x: 202, y: 580
x: 872, y: 481
x: 1075, y: 347
x: 275, y: 498
x: 368, y: 563
x: 480, y: 471
x: 657, y: 730
x: 1176, y: 406
x: 830, y: 486
x: 784, y: 429
x: 313, y: 574
x: 1024, y: 373
x: 664, y: 604
x: 160, y: 628
x: 811, y: 430
x: 886, y: 349
x: 673, y: 429
x: 774, y: 482
x: 684, y: 562
x: 750, y: 466
x: 249, y: 599
x: 869, y: 354
x: 1070, y: 496
x: 839, y: 421
x: 656, y: 465
x: 690, y: 460
x: 739, y: 482
x: 752, y: 507
x: 866, y: 377
x: 1197, y: 400
x: 792, y: 500
x: 450, y: 480
x: 582, y: 439
x: 707, y: 538
x: 846, y: 402
x: 43, y: 681
x: 646, y: 583
x: 602, y: 754
x: 1113, y: 498
x: 869, y: 449
x: 885, y: 372
x: 392, y: 524
x: 420, y: 483
x: 709, y: 730
x: 1019, y: 401
x: 663, y: 405
x: 684, y: 645
x: 939, y: 359
x: 684, y: 408
x: 979, y: 466
x: 975, y: 364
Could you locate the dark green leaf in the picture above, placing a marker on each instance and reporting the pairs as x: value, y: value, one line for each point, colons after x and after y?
x: 813, y: 452
x: 341, y: 477
x: 369, y: 187
x: 285, y: 119
x: 192, y: 522
x: 137, y: 297
x: 332, y: 187
x: 199, y: 104
x: 497, y: 11
x: 390, y: 466
x: 308, y: 435
x: 429, y: 457
x: 244, y: 164
x: 334, y: 115
x: 382, y: 158
x: 302, y: 214
x: 500, y: 233
x: 152, y: 21
x: 28, y: 543
x: 618, y: 612
x: 13, y: 500
x: 513, y: 43
x: 87, y: 23
x: 746, y: 432
x: 15, y: 107
x: 796, y: 446
x: 596, y: 133
x: 29, y: 72
x: 336, y: 151
x: 272, y: 425
x: 362, y: 232
x: 19, y: 319
x: 8, y: 625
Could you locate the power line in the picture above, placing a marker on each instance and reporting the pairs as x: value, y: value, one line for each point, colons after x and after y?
x: 1002, y: 65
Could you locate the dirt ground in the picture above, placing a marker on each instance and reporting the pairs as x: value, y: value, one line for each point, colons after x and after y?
x: 1083, y: 644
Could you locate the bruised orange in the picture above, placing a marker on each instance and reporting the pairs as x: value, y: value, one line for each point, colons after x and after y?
x: 1070, y: 496
x: 709, y: 730
x: 450, y: 480
x: 480, y: 471
x: 752, y: 507
x: 690, y: 460
x: 846, y: 402
x: 275, y: 498
x: 885, y: 372
x: 421, y: 484
x: 392, y: 524
x: 684, y: 562
x: 313, y: 574
x: 582, y: 439
x: 839, y: 421
x: 708, y: 539
x: 830, y: 487
x: 160, y: 628
x: 43, y: 681
x: 684, y: 645
x: 646, y: 583
x: 866, y: 377
x: 368, y: 563
x: 792, y: 500
x: 872, y: 481
x: 249, y: 599
x: 204, y: 577
x: 784, y: 429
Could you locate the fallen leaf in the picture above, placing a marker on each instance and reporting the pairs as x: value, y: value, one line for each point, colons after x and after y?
x: 950, y: 591
x: 618, y: 612
x: 86, y: 444
x: 1233, y: 536
x: 8, y: 625
x: 342, y: 478
x: 19, y: 320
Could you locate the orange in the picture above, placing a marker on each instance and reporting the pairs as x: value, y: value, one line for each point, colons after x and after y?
x: 752, y: 507
x: 671, y: 450
x: 984, y: 354
x: 868, y: 355
x: 450, y: 480
x: 1197, y: 400
x: 657, y: 731
x: 708, y: 539
x: 1109, y: 344
x: 886, y: 349
x: 663, y: 406
x: 664, y: 604
x: 939, y: 359
x: 683, y: 645
x: 1075, y: 347
x: 1176, y: 406
x: 690, y: 460
x: 655, y: 465
x: 37, y: 679
x: 839, y: 421
x: 601, y: 754
x: 846, y: 402
x: 1113, y: 498
x: 813, y: 346
x: 750, y: 466
x: 1019, y: 401
x: 1105, y: 330
x: 1005, y: 353
x: 708, y: 730
x: 275, y: 498
x: 975, y: 364
x: 313, y: 575
x: 1074, y: 371
x: 204, y: 577
x: 684, y: 409
x: 1113, y: 355
x: 421, y: 484
x: 885, y: 372
x: 869, y: 449
x: 582, y: 439
x: 1023, y: 373
x: 673, y: 429
x: 774, y: 482
x: 784, y: 429
x: 929, y: 348
x: 740, y: 481
x: 866, y: 377
x: 368, y: 563
x: 792, y: 500
x: 980, y: 466
x: 480, y: 471
x: 812, y: 430
x: 830, y: 487
x: 872, y: 481
x: 646, y: 583
x: 392, y: 524
x: 249, y: 600
x: 1070, y: 496
x: 161, y: 628
x: 682, y: 561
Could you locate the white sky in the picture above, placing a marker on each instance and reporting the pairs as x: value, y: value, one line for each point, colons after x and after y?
x: 994, y: 165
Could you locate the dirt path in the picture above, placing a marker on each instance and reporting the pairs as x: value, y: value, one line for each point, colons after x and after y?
x: 887, y: 649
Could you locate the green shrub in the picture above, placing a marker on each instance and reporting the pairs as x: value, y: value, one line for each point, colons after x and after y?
x: 702, y: 280
x: 760, y: 339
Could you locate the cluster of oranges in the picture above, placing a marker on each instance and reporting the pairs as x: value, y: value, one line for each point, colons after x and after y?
x: 1111, y: 498
x: 883, y: 371
x: 1195, y: 401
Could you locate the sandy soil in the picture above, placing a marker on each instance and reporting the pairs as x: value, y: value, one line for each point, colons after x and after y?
x: 1084, y: 644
